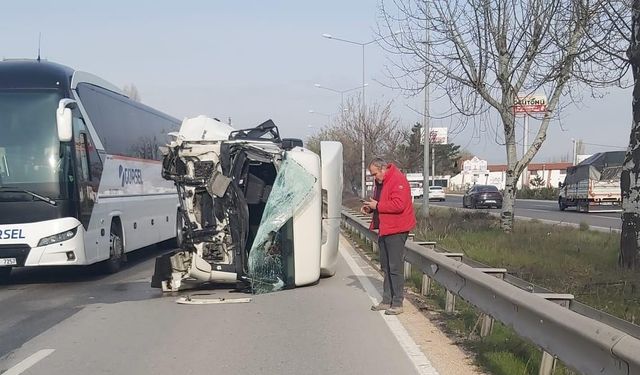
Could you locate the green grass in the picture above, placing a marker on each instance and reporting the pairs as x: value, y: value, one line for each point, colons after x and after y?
x: 563, y: 259
x: 503, y: 352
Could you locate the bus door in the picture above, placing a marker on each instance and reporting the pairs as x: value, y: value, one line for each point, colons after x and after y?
x: 88, y: 169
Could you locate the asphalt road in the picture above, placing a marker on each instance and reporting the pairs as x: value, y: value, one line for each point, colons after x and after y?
x: 548, y: 210
x: 72, y: 321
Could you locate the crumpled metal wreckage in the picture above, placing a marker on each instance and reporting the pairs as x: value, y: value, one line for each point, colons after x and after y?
x: 251, y: 207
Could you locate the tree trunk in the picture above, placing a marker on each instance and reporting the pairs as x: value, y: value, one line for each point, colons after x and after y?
x: 629, y: 186
x: 508, y: 201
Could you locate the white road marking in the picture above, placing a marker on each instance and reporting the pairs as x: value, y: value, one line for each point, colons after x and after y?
x: 539, y: 206
x: 29, y: 361
x: 419, y: 360
x: 590, y: 215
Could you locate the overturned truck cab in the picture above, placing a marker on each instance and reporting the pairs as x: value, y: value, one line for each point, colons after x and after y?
x: 255, y: 210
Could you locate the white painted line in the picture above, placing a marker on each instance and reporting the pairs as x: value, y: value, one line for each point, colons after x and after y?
x: 419, y: 360
x: 590, y: 215
x: 29, y: 361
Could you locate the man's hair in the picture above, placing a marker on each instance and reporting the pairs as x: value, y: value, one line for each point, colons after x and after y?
x: 379, y: 163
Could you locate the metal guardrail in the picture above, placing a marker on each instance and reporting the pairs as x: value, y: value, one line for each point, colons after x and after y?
x: 581, y: 341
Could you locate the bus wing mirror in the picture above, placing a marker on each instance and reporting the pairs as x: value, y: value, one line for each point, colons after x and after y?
x: 63, y: 119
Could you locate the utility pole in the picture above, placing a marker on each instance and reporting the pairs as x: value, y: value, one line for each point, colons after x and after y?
x: 433, y: 164
x: 574, y: 155
x: 525, y: 147
x: 424, y: 210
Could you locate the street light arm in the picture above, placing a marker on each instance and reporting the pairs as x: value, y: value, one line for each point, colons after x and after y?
x: 355, y: 88
x: 329, y: 88
x: 339, y: 91
x: 328, y: 36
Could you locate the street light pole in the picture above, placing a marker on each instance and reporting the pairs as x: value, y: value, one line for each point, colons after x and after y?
x: 363, y: 187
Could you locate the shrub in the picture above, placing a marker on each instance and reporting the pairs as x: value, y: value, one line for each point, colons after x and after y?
x: 545, y: 193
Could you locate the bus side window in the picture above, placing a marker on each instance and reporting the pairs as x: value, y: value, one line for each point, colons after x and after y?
x: 81, y: 149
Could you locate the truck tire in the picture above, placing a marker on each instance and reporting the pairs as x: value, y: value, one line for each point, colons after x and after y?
x: 582, y: 206
x: 178, y: 240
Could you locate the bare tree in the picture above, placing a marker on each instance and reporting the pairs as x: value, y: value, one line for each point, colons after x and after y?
x: 630, y: 179
x: 132, y: 92
x: 485, y: 54
x: 381, y: 132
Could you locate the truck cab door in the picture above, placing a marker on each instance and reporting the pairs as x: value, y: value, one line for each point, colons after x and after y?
x: 331, y: 160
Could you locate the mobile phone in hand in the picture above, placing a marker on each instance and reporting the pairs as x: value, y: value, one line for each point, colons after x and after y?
x: 363, y: 200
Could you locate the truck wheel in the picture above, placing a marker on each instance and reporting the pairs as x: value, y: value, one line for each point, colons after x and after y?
x: 116, y: 249
x: 582, y: 207
x: 561, y: 205
x: 179, y: 239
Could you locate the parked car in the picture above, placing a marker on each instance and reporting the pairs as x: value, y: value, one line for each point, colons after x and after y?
x: 482, y: 195
x: 437, y: 193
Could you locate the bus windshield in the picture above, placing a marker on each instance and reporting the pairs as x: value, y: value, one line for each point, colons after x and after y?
x: 29, y: 147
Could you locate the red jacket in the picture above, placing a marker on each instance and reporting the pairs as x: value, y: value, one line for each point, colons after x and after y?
x: 395, y: 208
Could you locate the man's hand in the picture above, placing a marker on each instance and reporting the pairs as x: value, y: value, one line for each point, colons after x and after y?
x: 365, y: 210
x: 372, y: 204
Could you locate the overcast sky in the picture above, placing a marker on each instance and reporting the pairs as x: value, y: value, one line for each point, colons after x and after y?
x: 254, y: 60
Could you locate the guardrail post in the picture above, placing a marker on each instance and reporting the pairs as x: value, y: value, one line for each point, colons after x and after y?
x: 426, y: 280
x: 450, y: 303
x: 548, y: 361
x: 450, y: 299
x: 427, y: 244
x: 407, y: 270
x: 426, y: 285
x: 487, y: 320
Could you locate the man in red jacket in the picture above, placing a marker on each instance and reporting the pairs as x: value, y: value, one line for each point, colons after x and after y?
x: 393, y: 217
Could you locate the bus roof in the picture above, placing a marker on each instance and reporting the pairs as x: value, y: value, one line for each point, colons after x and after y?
x: 25, y: 73
x: 34, y: 74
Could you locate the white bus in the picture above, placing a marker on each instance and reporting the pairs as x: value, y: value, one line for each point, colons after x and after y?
x: 80, y: 170
x: 255, y: 209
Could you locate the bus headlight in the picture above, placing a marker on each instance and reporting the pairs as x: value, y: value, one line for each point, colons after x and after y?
x: 66, y: 235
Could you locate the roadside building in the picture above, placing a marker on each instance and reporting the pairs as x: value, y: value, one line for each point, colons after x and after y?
x: 477, y: 171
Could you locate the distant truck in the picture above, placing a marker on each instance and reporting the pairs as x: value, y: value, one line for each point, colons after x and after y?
x: 594, y: 184
x: 415, y: 182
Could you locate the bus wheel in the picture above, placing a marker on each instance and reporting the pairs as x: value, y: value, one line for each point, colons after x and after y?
x: 116, y: 250
x: 5, y: 272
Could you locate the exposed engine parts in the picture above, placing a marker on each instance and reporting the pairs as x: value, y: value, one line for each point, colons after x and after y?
x: 225, y: 179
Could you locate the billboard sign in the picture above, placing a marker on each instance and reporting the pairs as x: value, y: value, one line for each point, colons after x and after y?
x: 436, y: 136
x: 531, y: 104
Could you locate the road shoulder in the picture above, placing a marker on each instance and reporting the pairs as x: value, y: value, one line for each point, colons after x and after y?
x: 441, y: 351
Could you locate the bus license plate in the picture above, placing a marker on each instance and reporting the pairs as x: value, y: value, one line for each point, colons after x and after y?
x: 490, y: 201
x: 8, y: 262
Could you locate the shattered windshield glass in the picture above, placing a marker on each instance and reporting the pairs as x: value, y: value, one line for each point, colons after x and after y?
x: 271, y: 255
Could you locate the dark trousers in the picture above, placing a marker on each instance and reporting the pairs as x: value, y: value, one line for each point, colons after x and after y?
x: 392, y: 264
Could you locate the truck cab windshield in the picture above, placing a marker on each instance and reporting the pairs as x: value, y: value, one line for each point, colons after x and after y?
x: 29, y: 148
